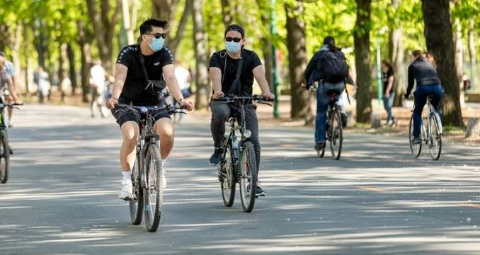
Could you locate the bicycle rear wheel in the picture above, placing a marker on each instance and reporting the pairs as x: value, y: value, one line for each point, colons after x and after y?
x: 435, y: 137
x: 248, y: 177
x: 4, y: 156
x: 415, y: 148
x: 227, y: 178
x: 136, y: 205
x: 336, y: 132
x: 153, y: 190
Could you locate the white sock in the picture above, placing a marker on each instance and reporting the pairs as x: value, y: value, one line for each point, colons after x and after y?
x: 163, y: 162
x: 127, y: 175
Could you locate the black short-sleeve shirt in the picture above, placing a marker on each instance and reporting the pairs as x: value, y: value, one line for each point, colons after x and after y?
x: 134, y: 88
x: 385, y: 76
x: 229, y: 68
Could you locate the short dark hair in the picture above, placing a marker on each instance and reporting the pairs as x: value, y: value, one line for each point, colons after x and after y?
x: 146, y: 26
x: 418, y: 53
x: 2, y: 54
x: 235, y: 27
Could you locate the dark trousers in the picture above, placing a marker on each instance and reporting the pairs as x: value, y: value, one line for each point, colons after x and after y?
x: 221, y: 112
x: 421, y: 93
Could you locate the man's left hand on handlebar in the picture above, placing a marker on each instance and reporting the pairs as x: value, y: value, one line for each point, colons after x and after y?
x: 269, y: 95
x: 187, y: 104
x: 111, y: 102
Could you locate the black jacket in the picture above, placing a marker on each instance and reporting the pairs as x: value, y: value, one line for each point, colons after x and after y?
x: 423, y: 73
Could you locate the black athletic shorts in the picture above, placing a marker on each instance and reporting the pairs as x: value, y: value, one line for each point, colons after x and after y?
x: 123, y: 115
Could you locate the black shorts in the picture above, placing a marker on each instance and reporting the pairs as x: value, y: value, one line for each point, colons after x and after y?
x: 123, y: 115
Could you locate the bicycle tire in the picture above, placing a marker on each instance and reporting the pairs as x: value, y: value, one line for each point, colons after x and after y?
x: 435, y: 137
x: 416, y: 149
x: 136, y: 205
x: 153, y: 190
x: 248, y: 176
x: 227, y: 181
x: 336, y: 135
x: 4, y: 157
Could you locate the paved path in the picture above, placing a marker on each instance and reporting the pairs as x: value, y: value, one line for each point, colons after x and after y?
x: 62, y: 195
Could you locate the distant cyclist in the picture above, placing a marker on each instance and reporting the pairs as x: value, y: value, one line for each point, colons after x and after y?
x: 134, y: 85
x: 328, y: 67
x: 422, y: 71
x: 10, y: 69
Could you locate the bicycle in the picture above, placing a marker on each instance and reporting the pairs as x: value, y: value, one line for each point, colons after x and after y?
x: 431, y: 134
x: 147, y: 174
x: 238, y: 163
x: 4, y: 147
x: 334, y: 128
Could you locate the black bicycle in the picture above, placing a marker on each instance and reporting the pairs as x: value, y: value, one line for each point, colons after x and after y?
x: 430, y: 133
x: 238, y: 163
x: 148, y: 177
x: 334, y: 128
x: 4, y: 146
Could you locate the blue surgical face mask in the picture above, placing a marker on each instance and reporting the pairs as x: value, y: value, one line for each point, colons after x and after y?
x: 232, y: 47
x: 157, y: 44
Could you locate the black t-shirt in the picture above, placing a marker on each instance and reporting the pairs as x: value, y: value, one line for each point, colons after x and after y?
x: 385, y: 76
x: 229, y: 68
x: 136, y: 82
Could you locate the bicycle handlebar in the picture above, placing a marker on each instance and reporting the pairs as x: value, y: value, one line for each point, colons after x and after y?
x: 144, y: 109
x: 10, y: 105
x: 233, y: 98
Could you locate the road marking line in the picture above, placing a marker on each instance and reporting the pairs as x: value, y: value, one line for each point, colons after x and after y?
x: 372, y: 189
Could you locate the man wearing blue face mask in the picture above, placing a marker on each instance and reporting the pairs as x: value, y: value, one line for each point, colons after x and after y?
x: 138, y: 67
x: 223, y: 72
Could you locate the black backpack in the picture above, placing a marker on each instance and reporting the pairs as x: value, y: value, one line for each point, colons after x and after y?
x: 334, y: 66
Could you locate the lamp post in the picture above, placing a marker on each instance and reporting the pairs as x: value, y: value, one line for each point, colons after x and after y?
x: 274, y: 61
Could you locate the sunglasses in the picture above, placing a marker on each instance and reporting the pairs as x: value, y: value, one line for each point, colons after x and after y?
x: 159, y: 35
x: 235, y: 39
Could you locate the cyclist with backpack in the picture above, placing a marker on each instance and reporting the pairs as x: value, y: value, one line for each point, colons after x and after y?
x: 328, y: 67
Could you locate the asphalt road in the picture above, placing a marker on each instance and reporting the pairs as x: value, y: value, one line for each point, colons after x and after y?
x: 62, y: 195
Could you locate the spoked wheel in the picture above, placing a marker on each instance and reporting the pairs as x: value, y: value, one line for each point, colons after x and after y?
x: 435, y: 139
x: 248, y: 177
x: 415, y: 148
x: 153, y: 191
x: 336, y: 138
x: 136, y: 205
x: 4, y: 157
x: 227, y: 178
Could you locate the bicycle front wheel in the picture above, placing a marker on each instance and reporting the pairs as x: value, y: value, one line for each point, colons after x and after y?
x: 248, y: 177
x: 153, y: 190
x: 336, y: 135
x: 435, y: 137
x: 415, y: 148
x: 4, y: 156
x: 227, y: 178
x: 136, y: 205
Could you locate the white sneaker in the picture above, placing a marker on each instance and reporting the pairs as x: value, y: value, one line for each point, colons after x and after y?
x: 126, y: 192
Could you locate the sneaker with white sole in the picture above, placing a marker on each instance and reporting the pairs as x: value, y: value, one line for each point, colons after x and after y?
x: 126, y: 192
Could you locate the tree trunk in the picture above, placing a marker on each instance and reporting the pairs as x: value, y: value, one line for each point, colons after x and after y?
x: 361, y: 39
x: 473, y: 54
x: 227, y: 12
x: 72, y: 70
x: 104, y: 22
x: 265, y: 10
x: 459, y: 60
x: 129, y: 21
x: 175, y: 41
x: 84, y: 40
x: 164, y: 9
x: 203, y: 90
x: 439, y: 39
x: 297, y: 56
x: 16, y: 42
x: 40, y: 44
x: 396, y: 53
